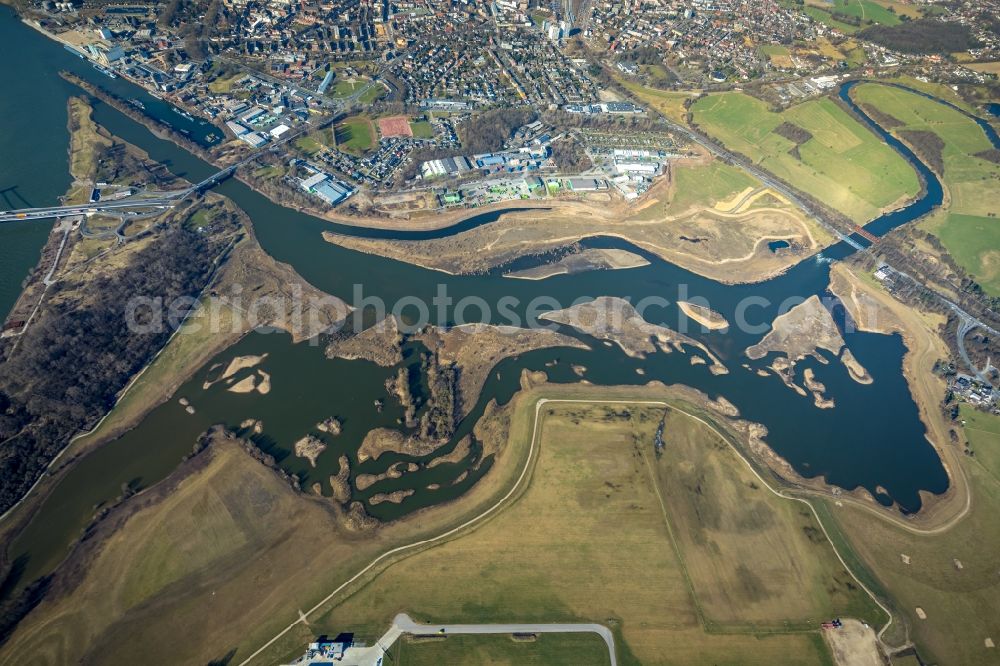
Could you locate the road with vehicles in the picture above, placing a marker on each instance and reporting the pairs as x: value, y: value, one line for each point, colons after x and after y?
x: 167, y: 200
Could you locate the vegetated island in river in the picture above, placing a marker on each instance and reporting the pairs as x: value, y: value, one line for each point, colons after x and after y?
x: 616, y: 320
x: 157, y: 127
x: 803, y: 331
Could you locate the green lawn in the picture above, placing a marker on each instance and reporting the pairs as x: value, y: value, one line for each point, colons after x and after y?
x: 372, y: 94
x: 670, y: 104
x: 269, y: 172
x: 708, y: 185
x: 843, y: 165
x: 773, y: 49
x: 966, y: 228
x: 422, y: 129
x: 698, y: 187
x: 547, y: 650
x: 701, y: 576
x: 224, y: 84
x: 656, y: 75
x: 355, y: 135
x: 347, y: 87
x: 308, y: 144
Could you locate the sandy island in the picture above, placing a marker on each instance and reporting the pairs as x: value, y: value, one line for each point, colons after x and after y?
x: 590, y: 259
x: 238, y: 363
x: 801, y: 332
x: 707, y: 317
x: 615, y: 320
x: 249, y: 384
x: 309, y: 447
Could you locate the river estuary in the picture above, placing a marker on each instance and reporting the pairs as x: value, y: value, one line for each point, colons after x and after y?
x: 872, y: 439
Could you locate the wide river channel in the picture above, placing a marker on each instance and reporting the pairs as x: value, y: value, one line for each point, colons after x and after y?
x: 873, y: 438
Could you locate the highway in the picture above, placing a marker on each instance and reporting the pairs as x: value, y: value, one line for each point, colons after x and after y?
x: 168, y: 200
x: 84, y: 209
x: 171, y: 199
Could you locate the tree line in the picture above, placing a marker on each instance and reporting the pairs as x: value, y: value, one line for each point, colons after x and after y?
x: 71, y: 363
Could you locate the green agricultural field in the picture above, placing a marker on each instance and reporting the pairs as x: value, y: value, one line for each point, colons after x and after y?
x: 961, y: 601
x: 826, y: 18
x: 941, y: 90
x: 974, y: 242
x: 422, y: 129
x: 605, y: 531
x: 355, y: 135
x: 843, y: 165
x: 968, y: 228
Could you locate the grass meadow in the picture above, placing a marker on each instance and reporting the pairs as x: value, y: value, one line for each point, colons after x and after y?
x: 967, y: 227
x: 843, y: 164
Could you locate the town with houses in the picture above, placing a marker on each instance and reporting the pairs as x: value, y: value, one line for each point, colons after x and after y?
x: 377, y: 97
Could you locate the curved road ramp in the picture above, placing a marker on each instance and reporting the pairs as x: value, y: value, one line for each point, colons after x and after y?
x: 403, y: 624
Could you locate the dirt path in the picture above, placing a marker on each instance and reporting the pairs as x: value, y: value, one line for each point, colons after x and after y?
x: 853, y: 644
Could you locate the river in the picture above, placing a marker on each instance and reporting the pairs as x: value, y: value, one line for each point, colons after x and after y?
x: 872, y: 439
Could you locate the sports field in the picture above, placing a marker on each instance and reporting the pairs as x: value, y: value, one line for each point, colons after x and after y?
x: 665, y: 550
x: 355, y: 135
x: 840, y: 163
x: 392, y: 126
x: 969, y: 229
x: 422, y: 129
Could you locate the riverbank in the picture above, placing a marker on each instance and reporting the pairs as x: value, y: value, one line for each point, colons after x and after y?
x: 872, y: 309
x: 158, y: 128
x: 215, y: 325
x: 612, y: 405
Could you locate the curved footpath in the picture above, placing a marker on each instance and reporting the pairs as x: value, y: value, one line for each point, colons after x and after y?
x: 399, y: 628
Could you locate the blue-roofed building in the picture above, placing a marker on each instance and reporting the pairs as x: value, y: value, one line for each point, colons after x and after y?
x: 490, y: 160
